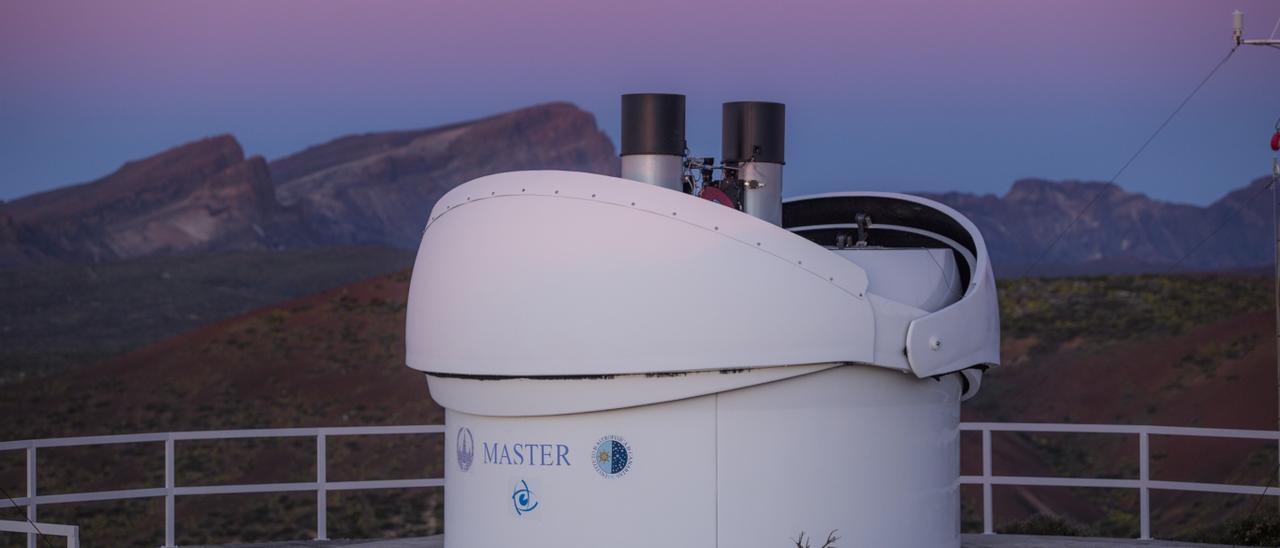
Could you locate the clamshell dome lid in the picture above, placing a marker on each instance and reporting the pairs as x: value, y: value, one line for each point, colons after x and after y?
x: 554, y: 273
x: 565, y: 275
x: 965, y: 334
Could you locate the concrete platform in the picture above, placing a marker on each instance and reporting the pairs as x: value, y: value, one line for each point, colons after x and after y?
x: 970, y: 541
x: 418, y: 542
x: 1029, y: 541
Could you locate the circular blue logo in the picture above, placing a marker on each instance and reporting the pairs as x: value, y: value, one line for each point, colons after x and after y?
x: 612, y: 457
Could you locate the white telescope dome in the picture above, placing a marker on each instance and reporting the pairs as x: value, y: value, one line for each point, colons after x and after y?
x: 748, y: 380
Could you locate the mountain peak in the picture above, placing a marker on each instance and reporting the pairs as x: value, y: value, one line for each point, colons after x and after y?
x: 380, y: 187
x: 167, y: 172
x: 374, y: 188
x: 1033, y: 188
x: 358, y: 146
x: 1065, y: 227
x: 217, y: 151
x: 197, y: 195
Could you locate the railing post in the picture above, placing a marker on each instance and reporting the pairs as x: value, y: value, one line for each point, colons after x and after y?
x: 988, y: 525
x: 31, y: 492
x: 1144, y: 475
x: 322, y: 499
x: 169, y: 483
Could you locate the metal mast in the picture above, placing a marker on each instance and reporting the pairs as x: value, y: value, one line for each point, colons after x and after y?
x: 1237, y: 34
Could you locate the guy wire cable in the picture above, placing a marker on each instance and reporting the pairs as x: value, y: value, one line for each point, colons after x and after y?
x: 1126, y: 165
x: 39, y: 534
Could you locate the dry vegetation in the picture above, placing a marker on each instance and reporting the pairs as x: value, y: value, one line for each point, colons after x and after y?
x: 59, y: 317
x: 1137, y: 349
x: 335, y: 359
x: 1190, y: 350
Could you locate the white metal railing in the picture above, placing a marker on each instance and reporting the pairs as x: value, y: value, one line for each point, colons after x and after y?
x: 321, y: 485
x: 171, y: 490
x: 71, y: 532
x: 1144, y: 484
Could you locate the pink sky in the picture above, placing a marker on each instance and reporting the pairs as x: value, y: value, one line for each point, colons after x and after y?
x: 894, y: 95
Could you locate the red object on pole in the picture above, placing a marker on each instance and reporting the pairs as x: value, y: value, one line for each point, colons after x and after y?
x: 716, y: 195
x: 1275, y: 141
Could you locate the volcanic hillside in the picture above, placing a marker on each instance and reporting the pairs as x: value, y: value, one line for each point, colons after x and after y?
x: 1184, y: 350
x: 200, y: 232
x: 58, y: 316
x: 332, y: 359
x: 1178, y: 350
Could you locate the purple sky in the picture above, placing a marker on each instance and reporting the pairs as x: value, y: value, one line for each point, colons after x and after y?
x: 887, y: 94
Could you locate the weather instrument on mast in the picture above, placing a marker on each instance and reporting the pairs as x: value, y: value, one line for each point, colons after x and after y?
x: 1237, y: 33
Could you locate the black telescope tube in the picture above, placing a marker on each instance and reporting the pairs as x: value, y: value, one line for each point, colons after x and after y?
x: 652, y: 123
x: 753, y: 131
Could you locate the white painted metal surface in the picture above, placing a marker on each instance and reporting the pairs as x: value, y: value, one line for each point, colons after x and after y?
x: 566, y: 319
x: 665, y: 495
x: 868, y: 453
x: 908, y: 284
x: 762, y: 198
x: 35, y: 529
x: 656, y: 169
x: 526, y: 396
x: 555, y: 273
x: 926, y: 279
x: 744, y: 468
x: 963, y: 334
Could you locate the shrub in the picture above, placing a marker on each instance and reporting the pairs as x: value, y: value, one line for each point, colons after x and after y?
x: 1041, y: 524
x: 1255, y: 530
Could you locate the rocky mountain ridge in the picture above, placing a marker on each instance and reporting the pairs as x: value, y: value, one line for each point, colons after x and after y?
x: 377, y: 188
x: 1121, y: 232
x: 191, y: 198
x: 361, y: 189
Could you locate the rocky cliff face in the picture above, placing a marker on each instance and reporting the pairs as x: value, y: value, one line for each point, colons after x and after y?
x: 1120, y: 232
x: 379, y: 188
x: 198, y: 196
x: 374, y: 188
